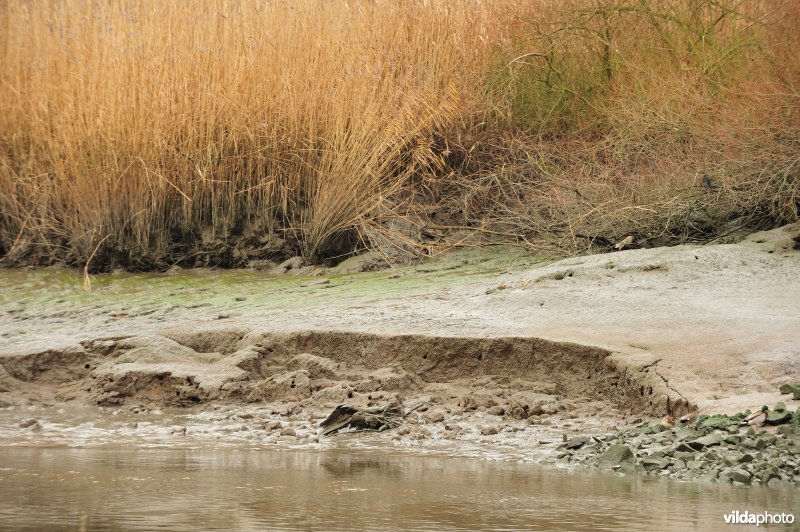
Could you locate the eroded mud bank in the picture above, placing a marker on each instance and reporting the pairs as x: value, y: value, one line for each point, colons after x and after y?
x: 275, y: 387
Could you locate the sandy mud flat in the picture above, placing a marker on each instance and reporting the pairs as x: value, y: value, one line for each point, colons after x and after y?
x: 485, y: 353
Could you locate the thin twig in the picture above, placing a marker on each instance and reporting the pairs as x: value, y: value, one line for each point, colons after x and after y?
x: 87, y: 283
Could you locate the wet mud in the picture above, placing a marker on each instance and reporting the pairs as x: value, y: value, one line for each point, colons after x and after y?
x: 278, y: 387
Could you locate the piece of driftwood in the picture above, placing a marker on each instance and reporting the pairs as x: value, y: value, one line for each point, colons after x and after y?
x: 348, y: 418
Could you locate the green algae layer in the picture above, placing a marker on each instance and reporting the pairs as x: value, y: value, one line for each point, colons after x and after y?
x: 59, y: 291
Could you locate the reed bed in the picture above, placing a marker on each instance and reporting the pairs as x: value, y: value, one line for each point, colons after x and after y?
x: 147, y: 133
x: 161, y: 125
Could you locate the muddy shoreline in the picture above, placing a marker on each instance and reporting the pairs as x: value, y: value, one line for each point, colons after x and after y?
x: 498, y: 355
x: 519, y: 399
x: 474, y: 396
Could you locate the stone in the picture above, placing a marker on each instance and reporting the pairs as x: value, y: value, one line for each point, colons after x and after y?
x: 746, y: 458
x: 793, y: 389
x: 272, y: 425
x: 489, y: 430
x: 552, y: 408
x: 617, y: 454
x: 706, y: 441
x: 654, y: 464
x: 366, y: 262
x: 654, y: 427
x: 477, y: 400
x: 718, y: 422
x: 590, y: 449
x: 290, y: 410
x: 425, y: 433
x: 434, y: 417
x: 687, y: 434
x: 638, y: 431
x: 741, y: 475
x: 695, y: 465
x: 525, y: 404
x: 777, y: 483
x: 685, y: 455
x: 685, y: 448
x: 110, y: 399
x: 496, y: 411
x: 794, y: 448
x: 711, y: 476
x: 577, y: 443
x: 293, y: 263
x: 767, y: 474
x: 754, y: 443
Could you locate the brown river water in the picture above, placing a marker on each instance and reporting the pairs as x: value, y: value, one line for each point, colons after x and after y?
x: 45, y: 488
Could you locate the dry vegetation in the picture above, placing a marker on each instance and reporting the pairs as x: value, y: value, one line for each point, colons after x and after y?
x: 148, y: 133
x: 667, y: 120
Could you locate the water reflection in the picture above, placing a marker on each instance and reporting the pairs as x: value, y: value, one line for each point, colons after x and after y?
x: 102, y: 489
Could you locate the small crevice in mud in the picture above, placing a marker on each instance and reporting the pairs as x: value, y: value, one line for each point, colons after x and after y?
x: 644, y: 268
x: 517, y: 377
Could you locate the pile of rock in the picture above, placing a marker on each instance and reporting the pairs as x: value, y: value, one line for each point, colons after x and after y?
x: 793, y: 389
x: 717, y: 448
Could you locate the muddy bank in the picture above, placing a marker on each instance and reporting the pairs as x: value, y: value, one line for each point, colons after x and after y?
x: 282, y: 385
x: 493, y: 349
x: 187, y: 366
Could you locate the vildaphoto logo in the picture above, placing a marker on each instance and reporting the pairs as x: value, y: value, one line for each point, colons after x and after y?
x: 765, y: 518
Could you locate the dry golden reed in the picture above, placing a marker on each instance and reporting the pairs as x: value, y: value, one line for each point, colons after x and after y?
x: 154, y: 123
